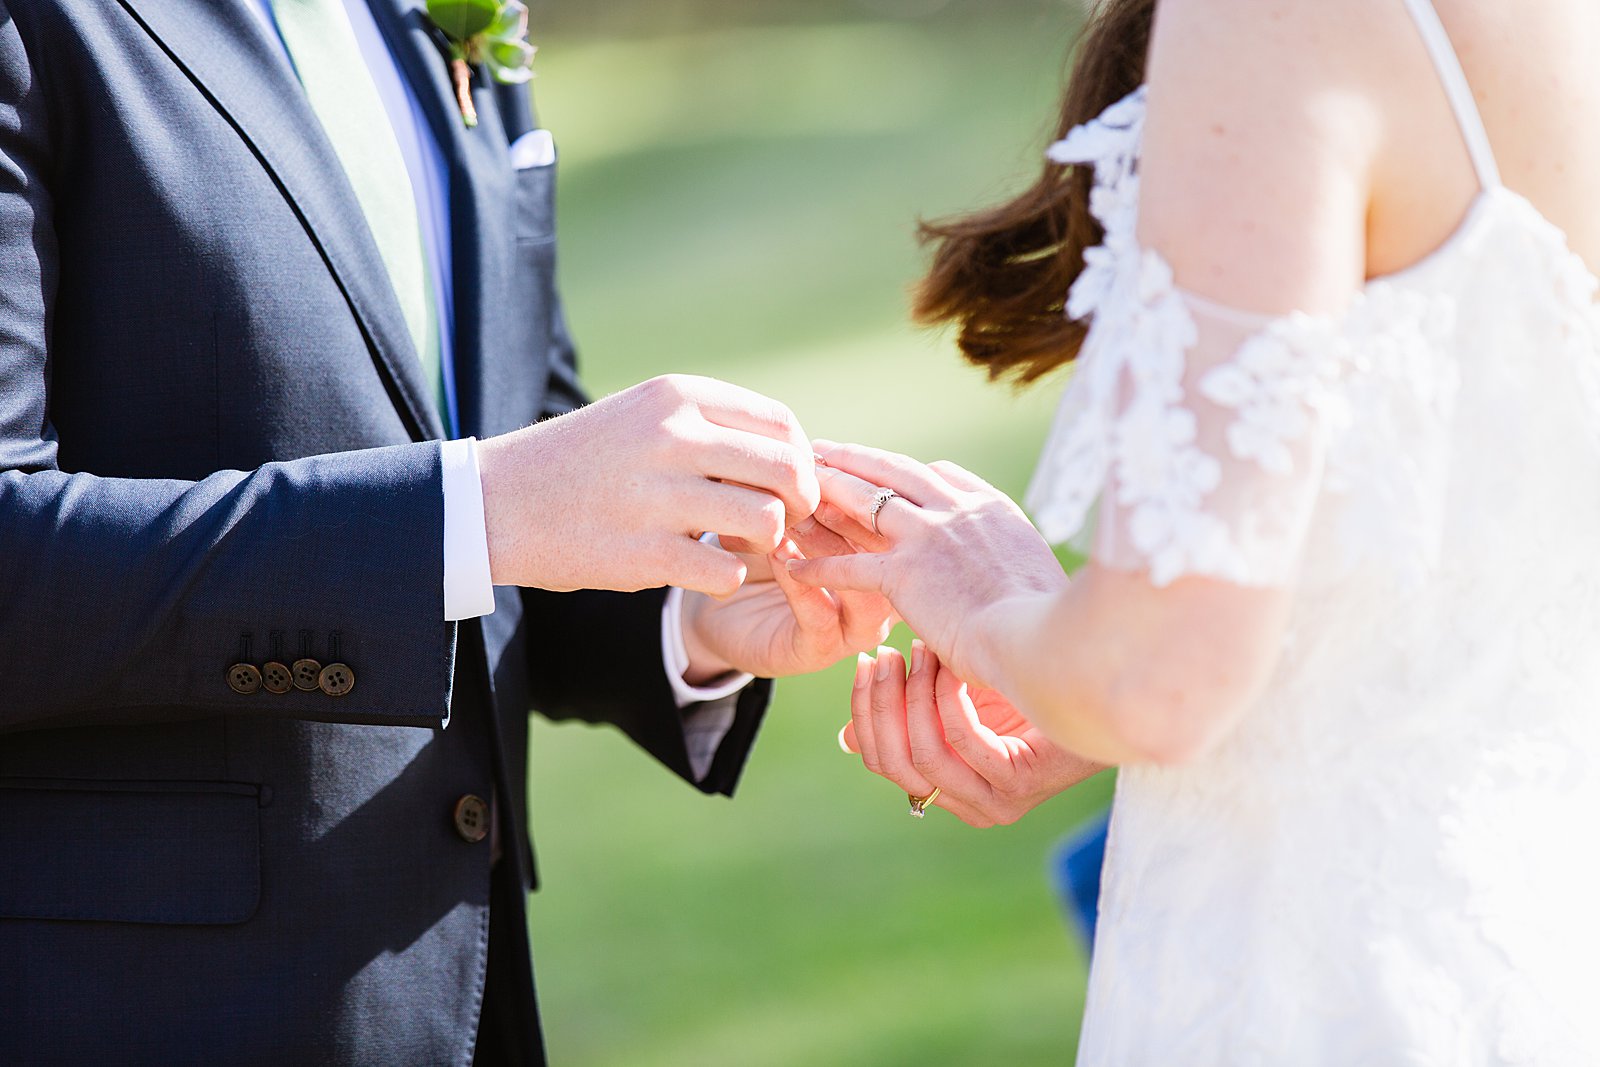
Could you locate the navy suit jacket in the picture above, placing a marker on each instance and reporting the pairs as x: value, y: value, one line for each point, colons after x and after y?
x: 214, y: 433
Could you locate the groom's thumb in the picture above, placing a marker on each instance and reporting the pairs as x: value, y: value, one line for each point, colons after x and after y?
x: 863, y: 572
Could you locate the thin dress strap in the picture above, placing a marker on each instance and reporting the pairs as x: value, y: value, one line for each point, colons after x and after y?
x: 1456, y: 88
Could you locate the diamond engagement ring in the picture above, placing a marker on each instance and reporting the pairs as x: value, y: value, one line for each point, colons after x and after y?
x: 919, y: 805
x: 879, y: 499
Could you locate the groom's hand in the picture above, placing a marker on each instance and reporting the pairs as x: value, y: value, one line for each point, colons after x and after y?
x: 616, y: 494
x: 776, y: 626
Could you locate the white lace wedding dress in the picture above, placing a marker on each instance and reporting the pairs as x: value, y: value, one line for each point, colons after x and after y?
x: 1393, y: 860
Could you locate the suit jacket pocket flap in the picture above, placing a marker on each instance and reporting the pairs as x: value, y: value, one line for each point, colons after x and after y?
x: 139, y: 852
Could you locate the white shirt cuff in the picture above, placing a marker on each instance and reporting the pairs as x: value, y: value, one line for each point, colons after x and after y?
x: 468, y: 590
x: 708, y: 711
x: 675, y: 655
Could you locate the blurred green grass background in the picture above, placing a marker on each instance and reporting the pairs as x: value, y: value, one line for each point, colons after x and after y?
x: 738, y: 194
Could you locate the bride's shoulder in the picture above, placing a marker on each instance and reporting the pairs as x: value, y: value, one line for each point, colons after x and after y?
x: 1283, y: 137
x: 1264, y: 120
x: 1362, y: 44
x: 1278, y: 45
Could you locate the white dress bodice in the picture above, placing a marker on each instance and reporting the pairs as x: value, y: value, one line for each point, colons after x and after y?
x: 1393, y: 859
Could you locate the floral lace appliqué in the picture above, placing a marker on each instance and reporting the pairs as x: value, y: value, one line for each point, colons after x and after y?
x: 1378, y: 864
x: 1127, y: 419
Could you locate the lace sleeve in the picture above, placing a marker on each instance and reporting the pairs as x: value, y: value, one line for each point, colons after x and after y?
x: 1199, y: 432
x: 1192, y: 437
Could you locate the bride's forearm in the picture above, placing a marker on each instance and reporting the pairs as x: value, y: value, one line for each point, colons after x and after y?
x: 1121, y: 672
x: 1037, y: 651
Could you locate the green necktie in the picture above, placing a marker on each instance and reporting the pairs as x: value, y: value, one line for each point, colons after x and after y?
x: 328, y: 59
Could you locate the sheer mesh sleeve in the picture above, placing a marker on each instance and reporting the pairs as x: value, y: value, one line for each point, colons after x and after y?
x: 1192, y: 438
x: 1195, y: 439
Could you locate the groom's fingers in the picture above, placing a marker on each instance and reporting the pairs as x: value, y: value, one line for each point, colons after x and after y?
x: 815, y: 611
x: 757, y: 441
x: 736, y: 408
x: 691, y: 564
x: 764, y: 465
x: 865, y: 618
x: 744, y: 520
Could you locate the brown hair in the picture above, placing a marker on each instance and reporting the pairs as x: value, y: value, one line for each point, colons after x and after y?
x: 1001, y: 275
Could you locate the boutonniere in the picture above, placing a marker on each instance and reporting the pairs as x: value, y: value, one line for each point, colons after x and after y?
x: 491, y: 33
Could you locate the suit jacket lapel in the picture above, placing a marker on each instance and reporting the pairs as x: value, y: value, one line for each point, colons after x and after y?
x: 226, y: 53
x: 481, y: 187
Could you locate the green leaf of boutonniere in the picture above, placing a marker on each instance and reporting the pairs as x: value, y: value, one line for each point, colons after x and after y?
x: 510, y: 21
x: 489, y: 33
x: 462, y: 20
x: 510, y: 61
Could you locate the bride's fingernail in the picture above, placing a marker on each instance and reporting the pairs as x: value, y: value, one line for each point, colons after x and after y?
x: 916, y: 656
x: 842, y: 746
x: 885, y: 664
x: 863, y: 669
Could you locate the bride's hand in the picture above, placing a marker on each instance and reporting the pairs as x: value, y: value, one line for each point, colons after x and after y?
x: 990, y: 764
x: 774, y: 626
x: 948, y: 547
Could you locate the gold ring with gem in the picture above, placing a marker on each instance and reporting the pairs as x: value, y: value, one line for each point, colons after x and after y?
x: 919, y: 805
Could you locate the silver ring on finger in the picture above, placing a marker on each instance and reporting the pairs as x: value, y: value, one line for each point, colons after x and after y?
x: 879, y: 499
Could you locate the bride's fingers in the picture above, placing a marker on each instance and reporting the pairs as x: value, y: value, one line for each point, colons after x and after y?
x: 905, y: 475
x: 887, y: 515
x: 858, y: 736
x: 893, y: 697
x: 931, y: 756
x: 861, y: 712
x: 817, y: 539
x: 959, y: 476
x: 862, y: 572
x: 865, y: 619
x: 886, y: 721
x: 966, y: 735
x: 834, y: 518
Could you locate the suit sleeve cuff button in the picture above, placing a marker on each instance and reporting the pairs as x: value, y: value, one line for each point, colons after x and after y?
x: 244, y: 679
